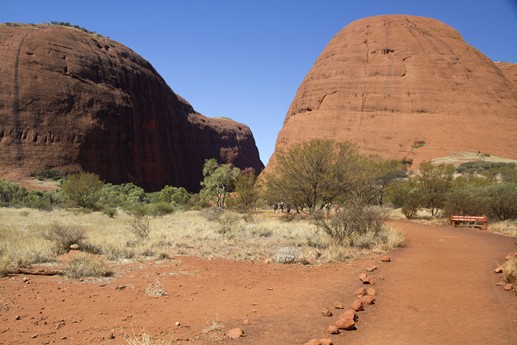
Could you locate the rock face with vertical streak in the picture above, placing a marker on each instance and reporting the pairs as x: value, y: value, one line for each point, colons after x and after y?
x: 407, y: 88
x: 74, y: 100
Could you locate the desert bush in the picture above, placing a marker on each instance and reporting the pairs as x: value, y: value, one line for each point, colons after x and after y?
x: 158, y: 209
x: 84, y: 265
x: 246, y: 194
x: 39, y: 200
x: 468, y: 200
x: 173, y: 195
x: 212, y: 213
x: 502, y: 204
x: 126, y: 196
x: 406, y: 196
x: 350, y: 222
x: 63, y: 236
x: 82, y: 190
x: 287, y: 255
x: 140, y: 226
x: 11, y: 194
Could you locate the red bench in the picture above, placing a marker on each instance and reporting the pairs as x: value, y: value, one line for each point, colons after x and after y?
x: 474, y: 221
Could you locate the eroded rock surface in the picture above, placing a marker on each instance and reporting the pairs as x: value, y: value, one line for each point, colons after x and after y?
x: 76, y: 101
x: 405, y: 87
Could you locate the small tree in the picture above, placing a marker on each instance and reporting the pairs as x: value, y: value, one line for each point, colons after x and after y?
x: 434, y: 181
x: 173, y: 195
x: 406, y: 196
x: 246, y: 195
x: 313, y: 174
x: 82, y: 189
x: 218, y: 181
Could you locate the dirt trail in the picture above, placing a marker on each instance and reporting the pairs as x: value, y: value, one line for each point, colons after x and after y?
x: 440, y: 289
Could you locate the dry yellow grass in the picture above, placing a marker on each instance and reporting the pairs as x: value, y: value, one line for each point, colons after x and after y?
x: 180, y: 233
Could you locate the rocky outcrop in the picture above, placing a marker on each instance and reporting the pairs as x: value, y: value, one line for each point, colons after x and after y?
x: 74, y: 100
x: 407, y: 88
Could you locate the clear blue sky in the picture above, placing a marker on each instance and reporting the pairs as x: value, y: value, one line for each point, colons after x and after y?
x: 244, y: 59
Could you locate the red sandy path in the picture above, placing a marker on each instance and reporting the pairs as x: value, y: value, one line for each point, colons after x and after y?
x: 440, y: 289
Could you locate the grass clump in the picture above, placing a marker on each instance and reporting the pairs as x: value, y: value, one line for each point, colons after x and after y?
x: 63, y: 236
x: 145, y: 339
x: 84, y: 265
x: 510, y: 271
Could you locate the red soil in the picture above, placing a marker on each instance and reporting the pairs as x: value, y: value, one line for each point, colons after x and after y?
x: 440, y: 289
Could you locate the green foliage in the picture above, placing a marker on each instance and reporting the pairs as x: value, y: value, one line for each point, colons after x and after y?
x: 218, y: 181
x: 126, y: 196
x: 495, y: 200
x: 82, y: 190
x: 246, y: 194
x: 172, y: 195
x: 72, y: 26
x: 503, y: 200
x: 482, y: 166
x: 434, y: 181
x: 11, y: 194
x: 405, y: 195
x: 376, y: 174
x: 313, y: 173
x: 50, y: 174
x: 39, y: 200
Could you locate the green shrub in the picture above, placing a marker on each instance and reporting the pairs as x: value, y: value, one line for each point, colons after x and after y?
x: 39, y: 200
x: 11, y: 194
x: 126, y: 196
x: 50, y: 174
x: 82, y: 190
x: 503, y: 200
x: 158, y: 209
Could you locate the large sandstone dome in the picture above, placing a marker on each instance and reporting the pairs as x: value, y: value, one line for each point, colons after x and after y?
x: 407, y: 88
x: 74, y: 100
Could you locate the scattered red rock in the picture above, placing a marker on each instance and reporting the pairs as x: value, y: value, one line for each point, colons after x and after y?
x: 508, y: 287
x: 364, y: 278
x: 371, y: 268
x: 359, y: 292
x: 235, y: 333
x: 346, y: 324
x: 371, y: 292
x: 325, y: 341
x: 339, y: 305
x: 368, y: 300
x: 326, y: 312
x: 357, y: 305
x: 74, y: 246
x: 385, y: 258
x: 349, y: 314
x: 313, y: 342
x: 499, y: 269
x: 332, y: 329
